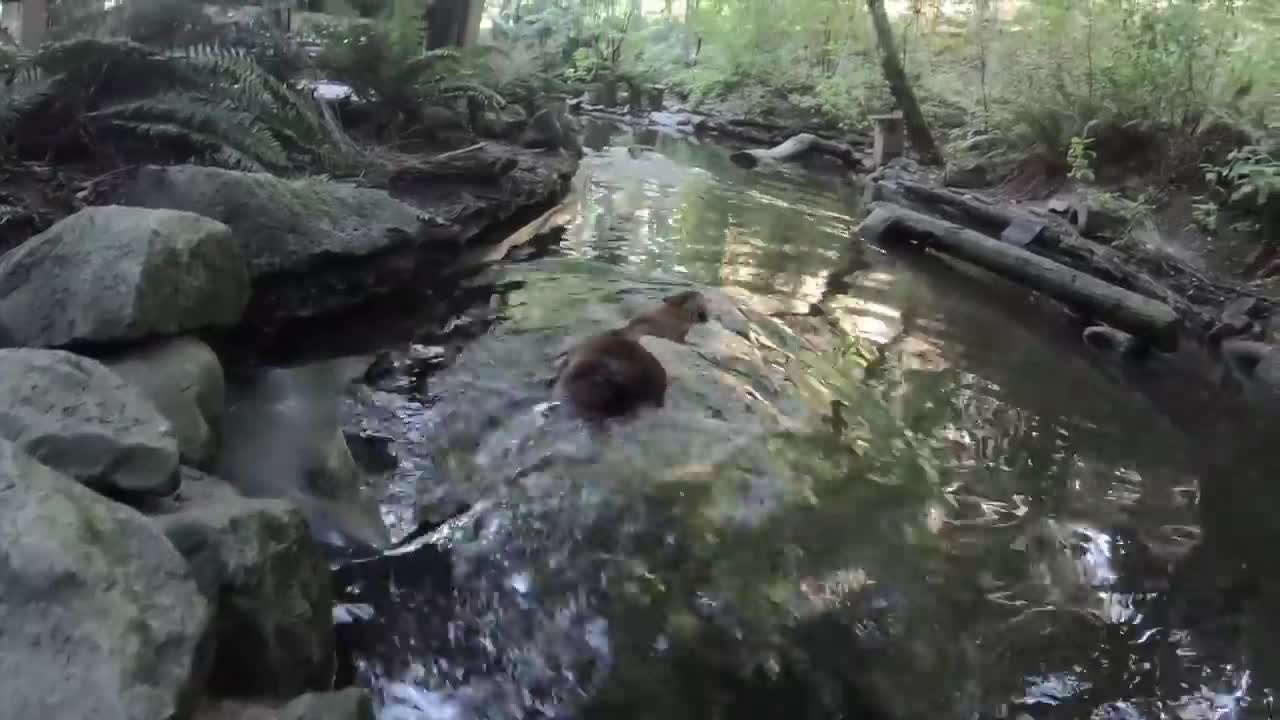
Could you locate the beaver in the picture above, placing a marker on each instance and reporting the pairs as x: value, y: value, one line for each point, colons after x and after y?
x: 611, y: 374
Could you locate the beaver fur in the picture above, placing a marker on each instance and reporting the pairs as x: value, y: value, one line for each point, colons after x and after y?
x: 611, y: 374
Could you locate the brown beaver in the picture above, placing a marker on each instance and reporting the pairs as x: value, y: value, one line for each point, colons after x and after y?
x: 611, y: 374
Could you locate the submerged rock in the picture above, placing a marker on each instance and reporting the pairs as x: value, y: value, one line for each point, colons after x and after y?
x: 85, y: 421
x: 111, y: 274
x: 255, y: 558
x: 101, y: 617
x: 184, y: 380
x: 348, y: 704
x: 312, y: 246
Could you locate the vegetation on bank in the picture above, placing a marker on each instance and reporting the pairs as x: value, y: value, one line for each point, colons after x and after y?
x: 1105, y: 92
x: 162, y: 80
x: 1101, y: 91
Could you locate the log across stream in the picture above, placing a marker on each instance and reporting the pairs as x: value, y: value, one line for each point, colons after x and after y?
x: 1141, y: 316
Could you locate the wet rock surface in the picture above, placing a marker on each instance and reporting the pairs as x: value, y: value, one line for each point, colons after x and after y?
x: 269, y: 580
x: 489, y: 190
x: 112, y: 274
x: 101, y: 616
x: 183, y: 378
x: 311, y: 246
x: 80, y: 418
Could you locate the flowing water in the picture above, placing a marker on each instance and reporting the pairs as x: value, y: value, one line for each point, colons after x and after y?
x: 923, y: 501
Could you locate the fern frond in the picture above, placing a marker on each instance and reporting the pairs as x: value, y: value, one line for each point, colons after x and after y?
x: 60, y: 57
x: 464, y: 88
x: 232, y: 74
x: 23, y: 93
x: 162, y: 131
x: 220, y: 122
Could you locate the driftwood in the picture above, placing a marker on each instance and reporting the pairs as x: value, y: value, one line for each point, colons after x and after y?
x: 797, y: 146
x: 1143, y: 317
x: 762, y: 133
x: 785, y: 130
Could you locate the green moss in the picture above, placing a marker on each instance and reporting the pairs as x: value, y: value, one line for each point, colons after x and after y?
x: 95, y: 529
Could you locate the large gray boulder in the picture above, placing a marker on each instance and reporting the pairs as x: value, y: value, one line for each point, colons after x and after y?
x: 73, y: 414
x: 312, y: 246
x: 270, y: 580
x: 101, y: 618
x: 183, y: 379
x: 110, y: 274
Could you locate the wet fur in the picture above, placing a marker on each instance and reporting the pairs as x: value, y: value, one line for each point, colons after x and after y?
x: 611, y: 374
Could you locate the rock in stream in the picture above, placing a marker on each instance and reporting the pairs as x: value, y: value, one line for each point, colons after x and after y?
x: 113, y: 274
x: 102, y: 619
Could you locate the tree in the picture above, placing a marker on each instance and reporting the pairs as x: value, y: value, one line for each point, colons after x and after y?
x: 903, y: 95
x: 35, y: 24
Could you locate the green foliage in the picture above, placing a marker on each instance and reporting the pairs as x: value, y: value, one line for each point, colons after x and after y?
x: 1080, y: 157
x: 400, y: 77
x: 1027, y: 76
x: 213, y: 101
x: 1248, y: 182
x: 1252, y: 173
x: 25, y: 89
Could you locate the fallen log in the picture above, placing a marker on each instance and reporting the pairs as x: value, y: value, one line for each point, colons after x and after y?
x: 1151, y: 320
x: 1057, y: 241
x: 822, y: 132
x: 795, y: 147
x: 761, y: 133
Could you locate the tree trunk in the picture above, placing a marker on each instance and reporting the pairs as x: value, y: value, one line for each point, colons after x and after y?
x: 896, y: 76
x: 35, y: 24
x: 447, y: 23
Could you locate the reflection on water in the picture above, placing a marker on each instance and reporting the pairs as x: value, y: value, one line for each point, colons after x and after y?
x: 923, y: 502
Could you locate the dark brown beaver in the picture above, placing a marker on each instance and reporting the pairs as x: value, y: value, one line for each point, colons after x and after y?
x: 611, y: 374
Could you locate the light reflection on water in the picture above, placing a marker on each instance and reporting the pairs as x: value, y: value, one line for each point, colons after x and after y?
x: 1009, y: 531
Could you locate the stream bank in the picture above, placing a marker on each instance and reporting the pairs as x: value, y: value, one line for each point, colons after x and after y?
x: 162, y: 505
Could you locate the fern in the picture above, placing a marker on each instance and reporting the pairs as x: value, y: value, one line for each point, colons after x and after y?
x: 161, y: 131
x: 213, y: 124
x: 93, y: 54
x: 233, y: 74
x: 24, y: 92
x: 211, y: 97
x: 471, y: 91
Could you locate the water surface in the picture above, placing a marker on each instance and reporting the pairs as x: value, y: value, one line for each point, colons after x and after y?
x: 925, y: 501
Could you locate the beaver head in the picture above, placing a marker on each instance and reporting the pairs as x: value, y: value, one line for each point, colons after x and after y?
x: 673, y: 318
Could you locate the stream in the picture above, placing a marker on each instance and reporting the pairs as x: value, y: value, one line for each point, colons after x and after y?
x: 926, y: 500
